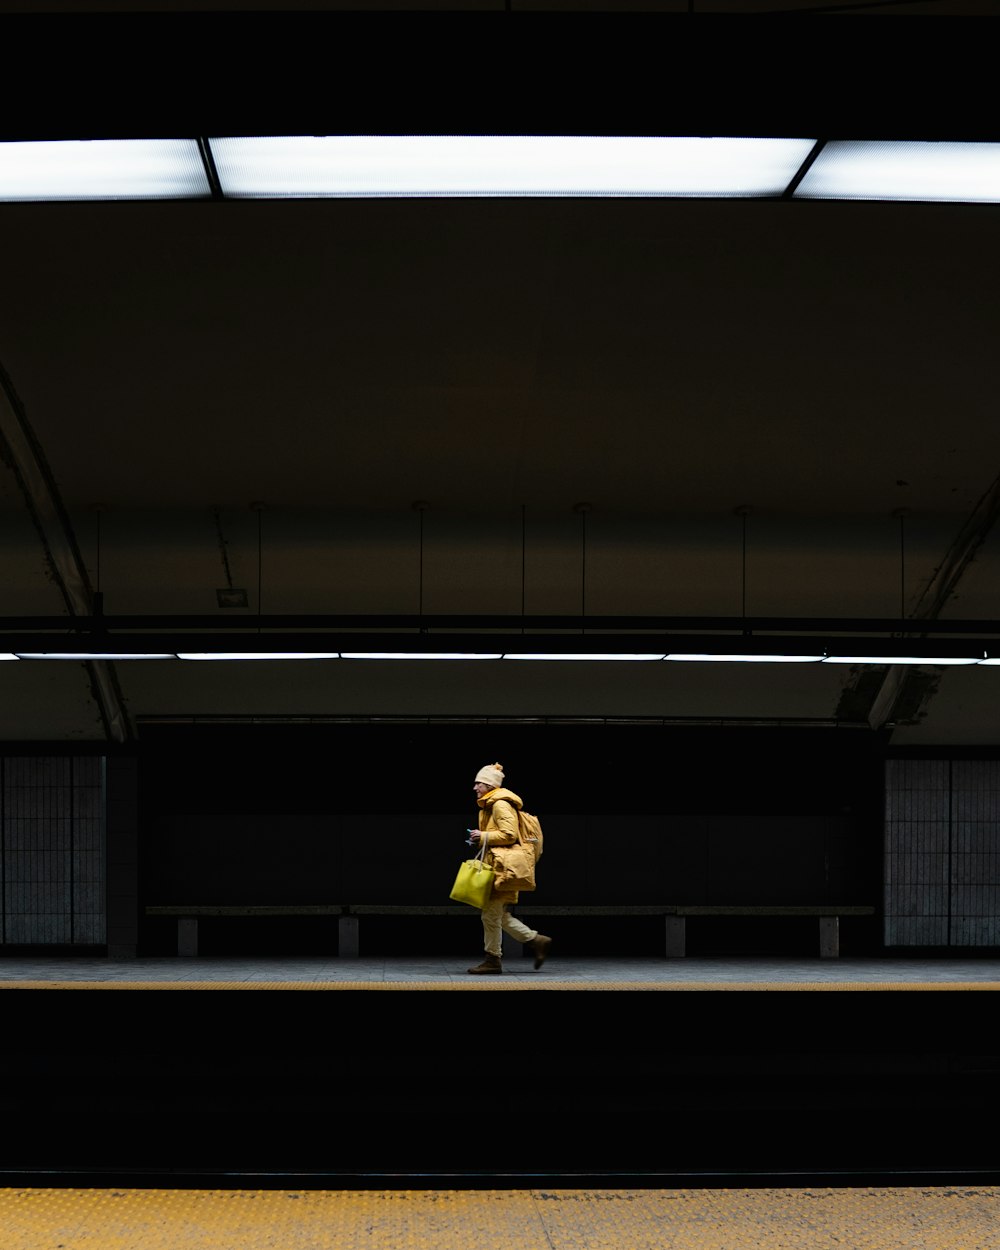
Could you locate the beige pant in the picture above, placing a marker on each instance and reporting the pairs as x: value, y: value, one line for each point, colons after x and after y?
x: 497, y: 920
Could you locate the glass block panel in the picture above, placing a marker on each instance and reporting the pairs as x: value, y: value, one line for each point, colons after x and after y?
x: 52, y: 850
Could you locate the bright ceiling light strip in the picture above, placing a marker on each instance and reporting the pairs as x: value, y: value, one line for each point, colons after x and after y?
x: 94, y: 655
x: 103, y: 169
x: 419, y: 655
x: 583, y: 655
x: 505, y: 165
x: 703, y: 657
x: 736, y: 658
x: 884, y: 170
x: 258, y: 655
x: 901, y: 659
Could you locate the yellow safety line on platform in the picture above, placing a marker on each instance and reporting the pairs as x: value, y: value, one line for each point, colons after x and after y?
x: 514, y: 985
x: 954, y: 1217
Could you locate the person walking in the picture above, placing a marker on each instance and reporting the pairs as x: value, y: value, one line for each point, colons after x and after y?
x: 498, y: 826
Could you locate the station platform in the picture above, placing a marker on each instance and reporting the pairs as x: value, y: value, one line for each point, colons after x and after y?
x: 594, y: 1103
x: 612, y: 973
x: 895, y: 1218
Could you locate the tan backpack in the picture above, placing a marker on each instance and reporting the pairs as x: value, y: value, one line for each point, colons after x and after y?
x: 531, y: 832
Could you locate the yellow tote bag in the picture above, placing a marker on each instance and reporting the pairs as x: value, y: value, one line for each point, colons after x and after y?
x: 474, y: 881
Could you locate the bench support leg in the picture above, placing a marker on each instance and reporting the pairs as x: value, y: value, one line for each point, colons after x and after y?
x: 675, y: 937
x: 187, y: 935
x: 347, y: 937
x: 829, y: 937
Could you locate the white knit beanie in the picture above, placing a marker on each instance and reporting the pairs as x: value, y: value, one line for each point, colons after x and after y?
x: 492, y: 774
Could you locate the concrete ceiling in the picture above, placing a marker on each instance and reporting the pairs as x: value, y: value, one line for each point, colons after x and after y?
x: 831, y: 366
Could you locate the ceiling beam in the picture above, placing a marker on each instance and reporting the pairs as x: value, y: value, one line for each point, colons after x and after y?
x: 23, y: 454
x: 228, y: 621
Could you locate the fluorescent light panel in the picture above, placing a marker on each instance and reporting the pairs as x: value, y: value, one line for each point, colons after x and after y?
x: 504, y: 165
x: 94, y: 655
x: 738, y: 658
x: 577, y: 656
x: 103, y: 169
x: 258, y: 655
x: 584, y: 655
x: 498, y: 165
x: 877, y: 170
x: 419, y: 655
x: 901, y: 659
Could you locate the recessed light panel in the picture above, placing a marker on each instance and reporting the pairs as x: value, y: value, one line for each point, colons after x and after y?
x: 258, y: 655
x: 737, y: 658
x: 419, y: 655
x: 103, y: 169
x: 582, y: 655
x: 934, y: 660
x: 86, y: 656
x: 884, y: 170
x: 505, y: 165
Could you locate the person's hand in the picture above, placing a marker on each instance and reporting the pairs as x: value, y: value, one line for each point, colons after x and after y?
x: 474, y: 835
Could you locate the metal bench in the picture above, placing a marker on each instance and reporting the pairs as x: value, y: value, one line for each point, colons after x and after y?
x: 675, y: 916
x: 348, y: 923
x: 348, y: 926
x: 827, y: 915
x: 188, y: 916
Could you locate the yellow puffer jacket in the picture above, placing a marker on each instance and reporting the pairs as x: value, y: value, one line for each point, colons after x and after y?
x: 498, y: 822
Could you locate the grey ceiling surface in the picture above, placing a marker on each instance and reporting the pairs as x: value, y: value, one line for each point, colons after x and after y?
x: 825, y: 364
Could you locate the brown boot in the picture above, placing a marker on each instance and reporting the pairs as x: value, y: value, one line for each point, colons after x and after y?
x: 539, y: 947
x: 491, y: 964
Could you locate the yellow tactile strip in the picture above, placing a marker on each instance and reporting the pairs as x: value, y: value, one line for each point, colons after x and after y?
x: 934, y: 1217
x: 510, y: 983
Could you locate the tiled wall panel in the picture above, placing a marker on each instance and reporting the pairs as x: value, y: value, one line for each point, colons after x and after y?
x: 942, y: 853
x: 917, y: 848
x: 52, y: 850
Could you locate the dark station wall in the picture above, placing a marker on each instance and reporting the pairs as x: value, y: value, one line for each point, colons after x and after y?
x: 376, y: 813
